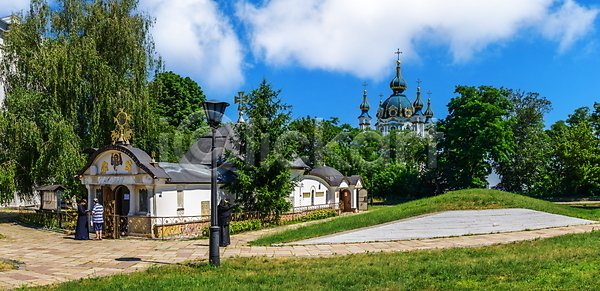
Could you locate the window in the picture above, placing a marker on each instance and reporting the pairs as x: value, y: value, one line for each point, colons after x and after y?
x: 179, y: 199
x: 143, y: 200
x: 99, y: 194
x: 306, y: 194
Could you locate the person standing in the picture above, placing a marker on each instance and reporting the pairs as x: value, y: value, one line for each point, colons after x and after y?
x: 81, y: 232
x: 224, y: 212
x: 98, y: 218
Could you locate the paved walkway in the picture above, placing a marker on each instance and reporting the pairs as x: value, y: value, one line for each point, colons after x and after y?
x: 452, y: 223
x: 51, y: 257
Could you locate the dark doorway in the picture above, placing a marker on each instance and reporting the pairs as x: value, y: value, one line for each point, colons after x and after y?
x: 123, y: 198
x: 346, y: 200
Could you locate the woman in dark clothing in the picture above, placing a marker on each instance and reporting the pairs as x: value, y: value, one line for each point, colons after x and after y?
x: 81, y: 232
x: 224, y: 211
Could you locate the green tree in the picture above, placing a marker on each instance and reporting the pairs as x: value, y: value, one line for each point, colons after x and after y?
x: 477, y: 133
x: 526, y: 169
x: 575, y: 156
x: 581, y: 114
x: 79, y: 62
x: 179, y: 107
x: 356, y: 152
x: 405, y: 147
x: 179, y: 101
x: 264, y: 179
x: 318, y: 133
x: 395, y: 182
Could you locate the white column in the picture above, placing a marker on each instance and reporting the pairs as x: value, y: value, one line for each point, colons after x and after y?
x: 132, y: 199
x: 91, y: 196
x: 150, y: 200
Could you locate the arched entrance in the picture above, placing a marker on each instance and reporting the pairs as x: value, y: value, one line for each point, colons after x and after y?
x: 123, y: 197
x: 345, y: 199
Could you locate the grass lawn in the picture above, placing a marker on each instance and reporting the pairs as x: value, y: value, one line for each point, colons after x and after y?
x: 456, y: 200
x: 569, y: 262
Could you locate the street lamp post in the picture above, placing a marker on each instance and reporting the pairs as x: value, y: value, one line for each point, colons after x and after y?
x: 214, y: 111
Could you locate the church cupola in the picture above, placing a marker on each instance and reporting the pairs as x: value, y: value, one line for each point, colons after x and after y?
x: 429, y: 111
x: 418, y: 104
x: 398, y: 84
x: 380, y: 110
x: 364, y: 120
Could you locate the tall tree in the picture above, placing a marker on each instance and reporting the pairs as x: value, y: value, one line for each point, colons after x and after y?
x: 575, y: 158
x: 79, y: 62
x: 526, y: 169
x: 477, y: 132
x: 179, y: 101
x: 264, y: 179
x: 395, y: 182
x: 179, y: 107
x: 318, y: 132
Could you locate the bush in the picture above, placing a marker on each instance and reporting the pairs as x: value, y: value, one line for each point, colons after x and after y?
x: 246, y: 225
x: 238, y: 226
x: 319, y: 214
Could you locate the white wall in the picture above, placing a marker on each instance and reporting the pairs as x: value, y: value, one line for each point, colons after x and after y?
x: 166, y: 201
x: 193, y: 196
x: 313, y: 186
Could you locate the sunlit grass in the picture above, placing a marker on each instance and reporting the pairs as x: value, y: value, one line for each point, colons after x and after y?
x: 456, y: 200
x: 569, y: 262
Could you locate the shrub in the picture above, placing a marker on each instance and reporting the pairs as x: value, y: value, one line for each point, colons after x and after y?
x: 246, y: 225
x: 238, y: 226
x: 319, y: 214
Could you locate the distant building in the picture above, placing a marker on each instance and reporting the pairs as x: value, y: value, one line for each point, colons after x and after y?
x: 397, y: 111
x: 4, y: 26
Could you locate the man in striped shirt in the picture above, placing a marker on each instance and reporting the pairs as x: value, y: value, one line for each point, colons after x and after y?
x: 98, y: 218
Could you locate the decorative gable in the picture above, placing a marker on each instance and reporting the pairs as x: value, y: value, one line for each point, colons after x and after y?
x: 114, y: 163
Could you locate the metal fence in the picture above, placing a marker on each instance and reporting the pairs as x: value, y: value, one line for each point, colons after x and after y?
x: 64, y: 219
x: 175, y: 227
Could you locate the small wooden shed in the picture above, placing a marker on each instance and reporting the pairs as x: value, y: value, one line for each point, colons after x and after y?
x: 50, y: 196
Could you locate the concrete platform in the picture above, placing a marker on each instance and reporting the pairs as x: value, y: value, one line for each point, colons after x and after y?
x: 452, y: 223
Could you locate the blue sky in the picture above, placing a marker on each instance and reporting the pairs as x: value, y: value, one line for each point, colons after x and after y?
x: 320, y: 52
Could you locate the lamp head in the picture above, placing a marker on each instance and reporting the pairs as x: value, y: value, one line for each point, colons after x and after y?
x: 214, y: 111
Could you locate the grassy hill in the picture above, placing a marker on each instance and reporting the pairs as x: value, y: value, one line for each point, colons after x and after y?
x: 470, y: 199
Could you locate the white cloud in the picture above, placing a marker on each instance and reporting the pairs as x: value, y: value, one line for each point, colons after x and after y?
x: 196, y: 40
x: 569, y: 23
x: 358, y: 36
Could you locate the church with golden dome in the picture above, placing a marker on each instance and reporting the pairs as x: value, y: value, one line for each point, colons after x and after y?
x: 397, y: 112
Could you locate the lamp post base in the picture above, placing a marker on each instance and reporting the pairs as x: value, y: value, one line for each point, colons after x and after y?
x: 213, y: 257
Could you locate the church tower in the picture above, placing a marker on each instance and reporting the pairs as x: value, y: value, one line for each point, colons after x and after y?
x: 397, y: 112
x: 419, y: 116
x: 364, y: 120
x: 429, y: 112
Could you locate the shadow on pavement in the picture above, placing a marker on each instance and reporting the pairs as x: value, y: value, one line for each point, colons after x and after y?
x: 134, y: 259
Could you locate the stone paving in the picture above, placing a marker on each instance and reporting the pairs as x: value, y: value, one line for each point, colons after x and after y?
x: 50, y: 257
